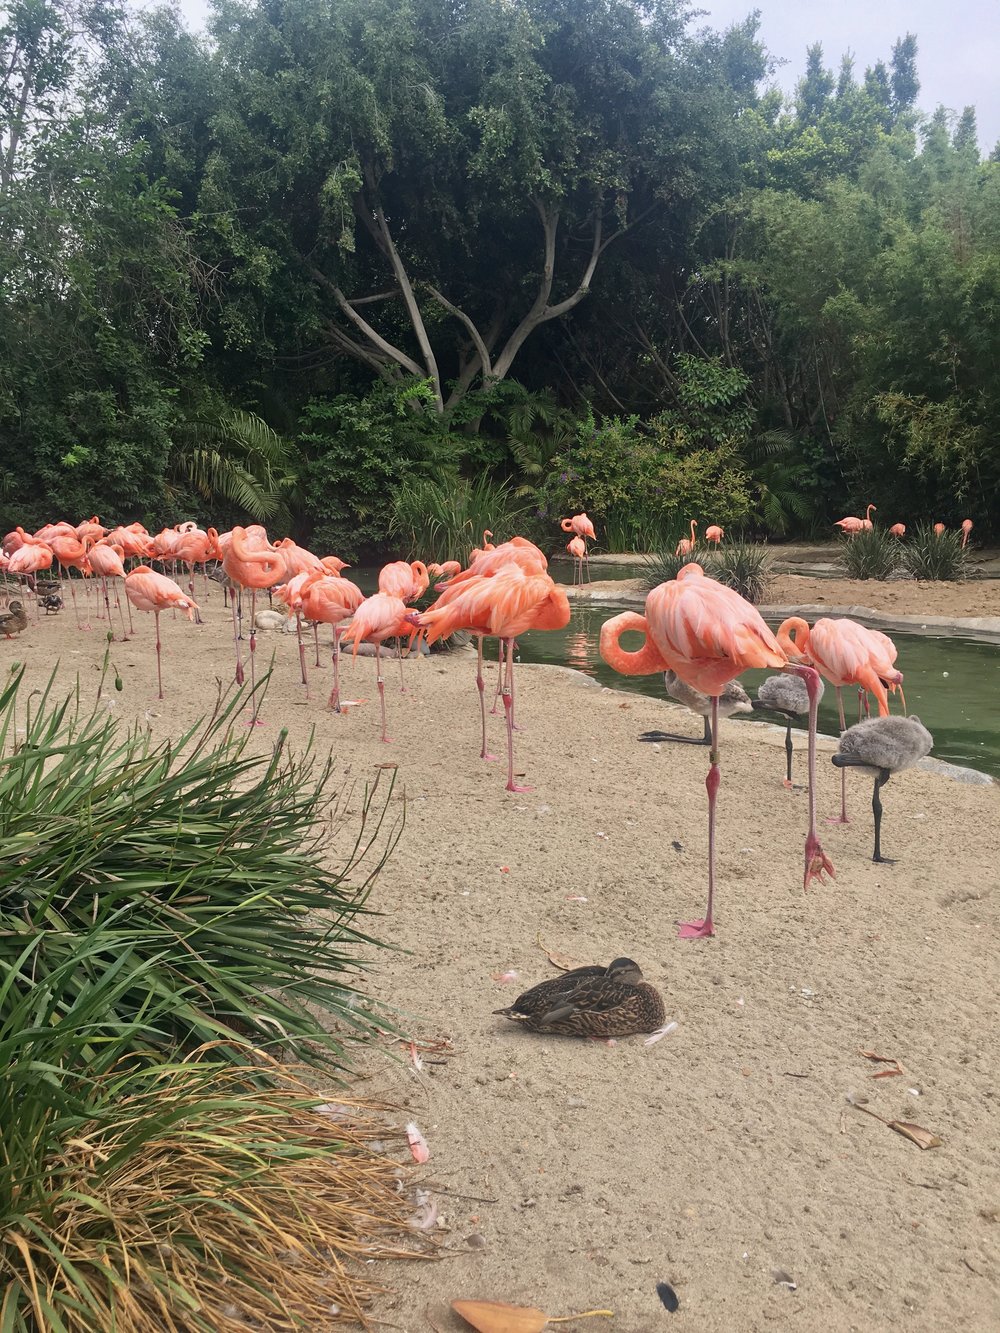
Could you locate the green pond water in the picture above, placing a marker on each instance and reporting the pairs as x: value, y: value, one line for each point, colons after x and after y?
x: 951, y: 683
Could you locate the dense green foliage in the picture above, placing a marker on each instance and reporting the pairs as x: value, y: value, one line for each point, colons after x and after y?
x: 871, y: 554
x: 200, y: 861
x: 350, y: 246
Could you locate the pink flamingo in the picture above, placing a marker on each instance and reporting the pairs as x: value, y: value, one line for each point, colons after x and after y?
x: 506, y: 604
x: 331, y: 600
x: 71, y: 553
x: 713, y: 533
x: 29, y: 558
x: 580, y: 524
x: 408, y: 582
x: 708, y: 635
x: 938, y: 529
x: 897, y: 530
x: 379, y: 617
x: 687, y: 544
x: 149, y: 591
x: 251, y: 562
x: 846, y: 653
x: 106, y: 562
x: 577, y: 548
x: 851, y: 525
x: 966, y: 529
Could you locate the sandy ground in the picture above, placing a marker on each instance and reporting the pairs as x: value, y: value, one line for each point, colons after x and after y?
x: 575, y: 1174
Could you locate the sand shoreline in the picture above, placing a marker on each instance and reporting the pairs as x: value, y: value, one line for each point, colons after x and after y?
x: 727, y: 1149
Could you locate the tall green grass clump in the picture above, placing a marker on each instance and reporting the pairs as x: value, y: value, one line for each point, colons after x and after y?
x: 934, y: 555
x: 666, y: 566
x: 201, y: 860
x: 742, y: 566
x: 444, y: 520
x: 871, y: 553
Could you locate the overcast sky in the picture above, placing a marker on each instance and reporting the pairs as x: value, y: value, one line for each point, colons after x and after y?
x: 959, y: 43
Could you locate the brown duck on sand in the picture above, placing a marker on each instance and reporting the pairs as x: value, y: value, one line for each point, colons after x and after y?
x: 611, y: 1001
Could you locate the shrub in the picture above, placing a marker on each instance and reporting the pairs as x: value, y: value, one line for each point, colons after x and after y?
x: 742, y: 566
x: 666, y: 566
x: 935, y: 555
x: 201, y: 860
x: 871, y: 554
x: 445, y: 520
x: 142, y: 1196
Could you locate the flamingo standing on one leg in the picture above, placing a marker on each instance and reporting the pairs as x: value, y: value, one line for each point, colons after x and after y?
x: 938, y: 529
x: 966, y: 529
x: 708, y: 635
x: 846, y: 653
x: 71, y: 553
x: 149, y: 591
x: 713, y: 533
x: 687, y: 544
x: 788, y: 697
x: 408, y: 582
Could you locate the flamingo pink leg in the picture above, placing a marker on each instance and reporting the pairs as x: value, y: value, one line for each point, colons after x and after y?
x: 481, y: 687
x: 508, y: 705
x: 499, y: 679
x: 302, y: 651
x: 254, y: 719
x: 816, y: 859
x: 381, y: 689
x: 316, y: 640
x: 335, y: 692
x: 236, y: 644
x: 159, y: 674
x: 842, y: 817
x: 700, y: 930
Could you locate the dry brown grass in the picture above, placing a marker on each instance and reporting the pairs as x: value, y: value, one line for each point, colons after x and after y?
x: 203, y: 1204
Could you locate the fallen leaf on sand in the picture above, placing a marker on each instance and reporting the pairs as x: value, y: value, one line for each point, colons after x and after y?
x: 923, y: 1138
x: 496, y: 1317
x: 560, y: 960
x: 896, y: 1069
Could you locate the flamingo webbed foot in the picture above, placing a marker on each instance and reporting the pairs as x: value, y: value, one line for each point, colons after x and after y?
x: 515, y: 786
x: 838, y: 819
x: 695, y: 930
x: 817, y: 863
x: 884, y: 860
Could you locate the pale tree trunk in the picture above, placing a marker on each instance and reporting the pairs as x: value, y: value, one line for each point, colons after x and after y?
x: 388, y: 360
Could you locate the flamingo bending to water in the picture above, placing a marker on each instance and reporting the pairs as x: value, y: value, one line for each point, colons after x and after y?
x: 708, y: 635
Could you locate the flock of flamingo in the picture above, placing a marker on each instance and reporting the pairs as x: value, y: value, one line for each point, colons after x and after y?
x: 699, y: 633
x: 851, y: 525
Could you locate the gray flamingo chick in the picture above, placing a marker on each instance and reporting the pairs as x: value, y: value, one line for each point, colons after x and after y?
x: 733, y: 699
x: 888, y: 745
x: 787, y: 696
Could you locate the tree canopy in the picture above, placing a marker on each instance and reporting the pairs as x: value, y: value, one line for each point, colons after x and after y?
x: 401, y: 239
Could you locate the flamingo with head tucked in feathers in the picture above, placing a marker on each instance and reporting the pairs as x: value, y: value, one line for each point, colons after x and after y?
x: 149, y: 591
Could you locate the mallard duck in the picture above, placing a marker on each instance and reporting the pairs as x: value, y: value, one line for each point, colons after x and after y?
x: 47, y: 587
x: 611, y: 1001
x: 14, y: 619
x: 51, y: 602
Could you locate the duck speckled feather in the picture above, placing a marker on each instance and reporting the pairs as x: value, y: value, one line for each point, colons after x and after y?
x: 612, y: 1001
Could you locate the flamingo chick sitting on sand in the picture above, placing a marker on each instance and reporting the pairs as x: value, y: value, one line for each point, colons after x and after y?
x: 733, y: 699
x: 708, y: 635
x: 787, y: 696
x: 887, y: 745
